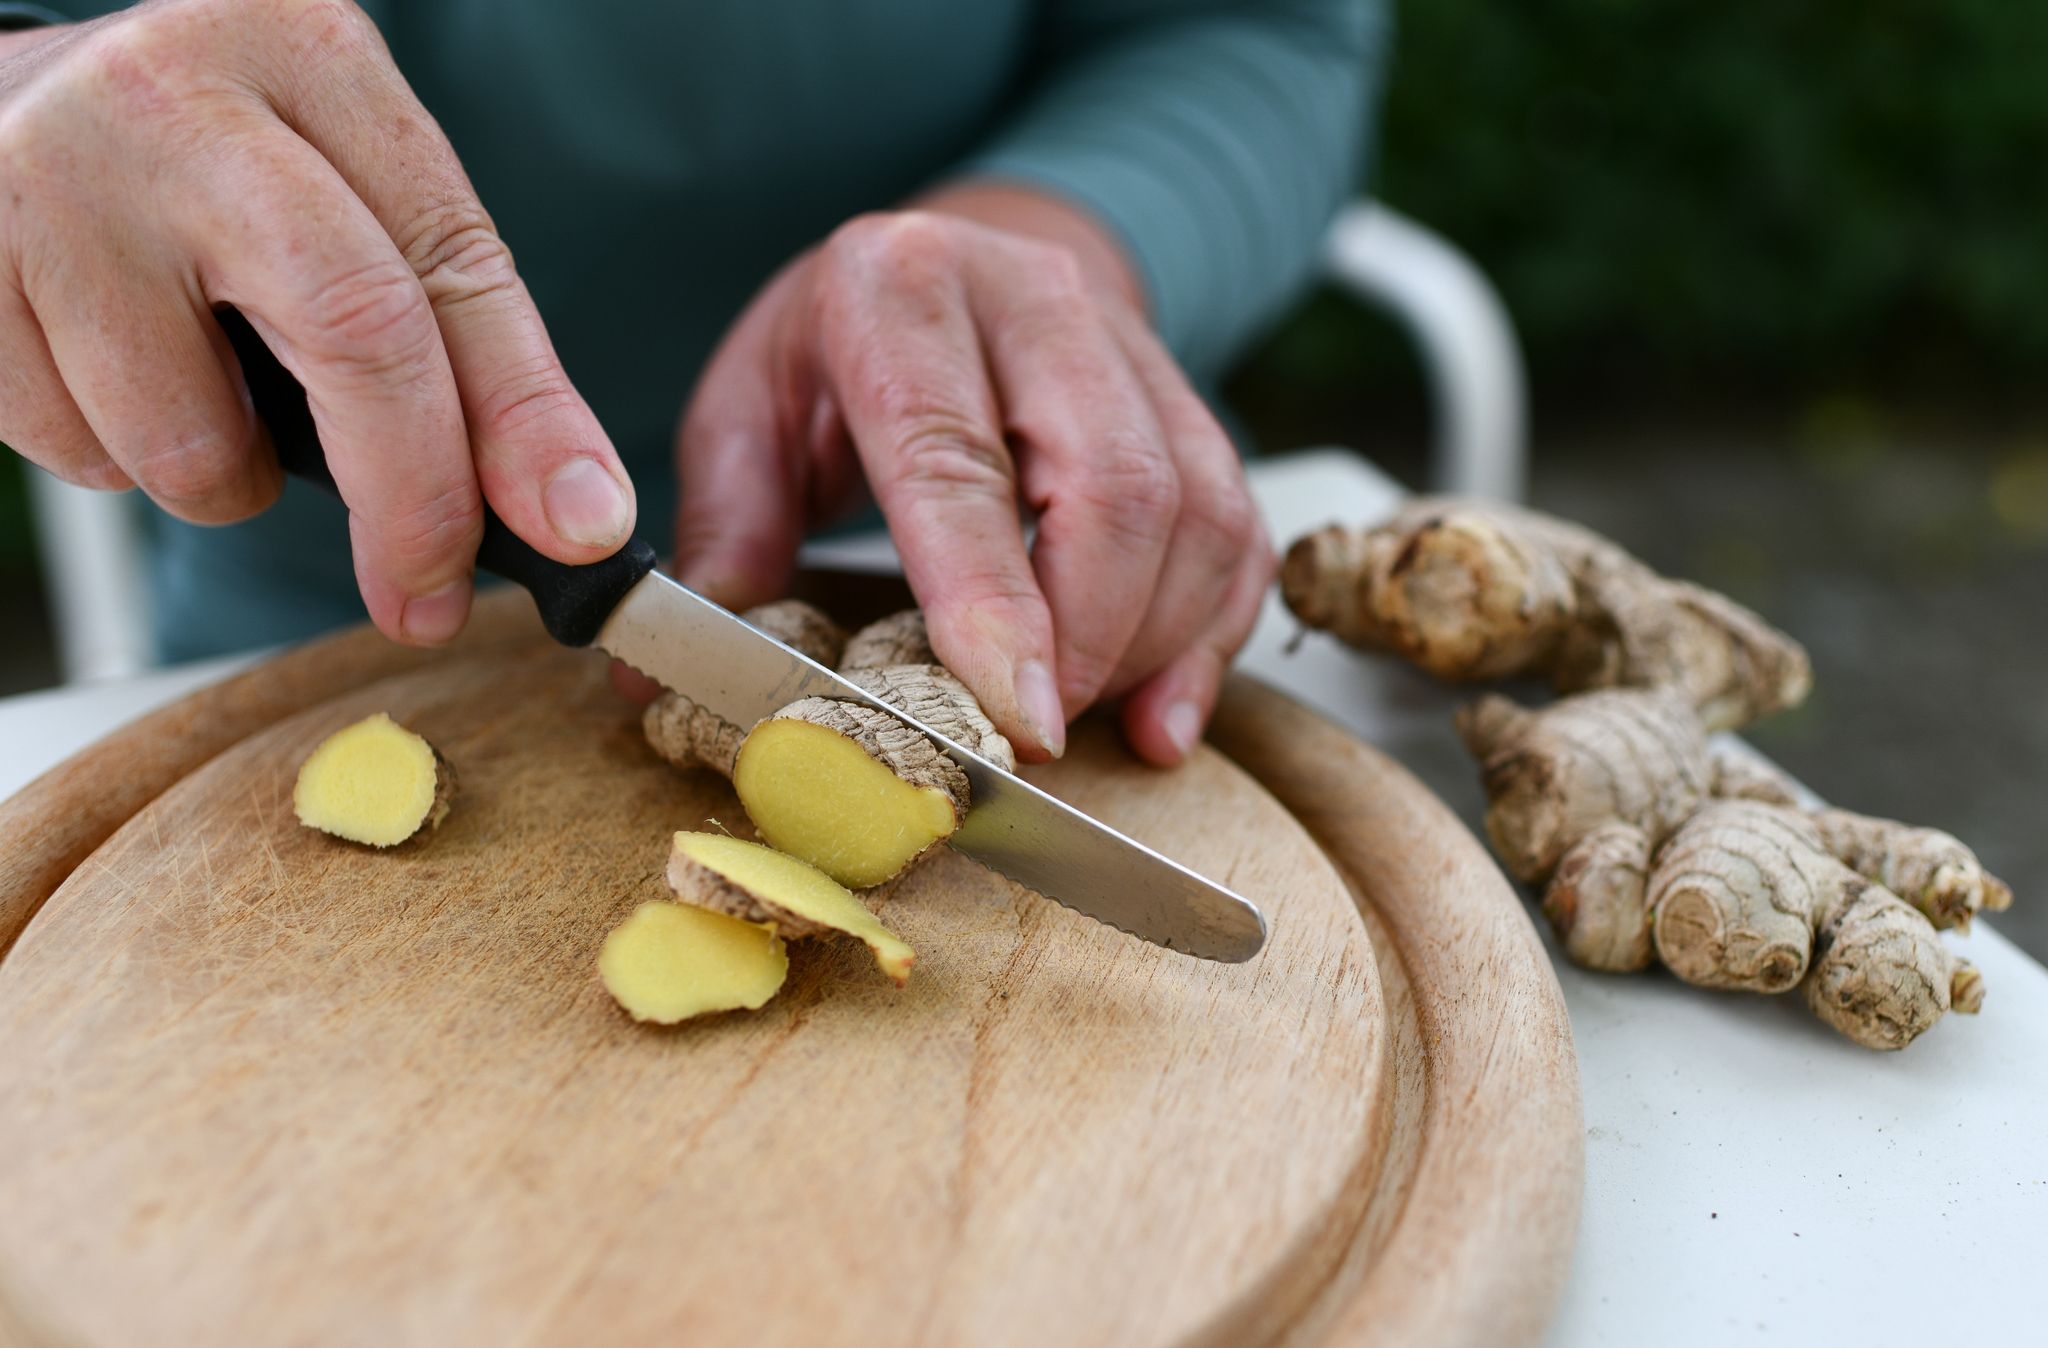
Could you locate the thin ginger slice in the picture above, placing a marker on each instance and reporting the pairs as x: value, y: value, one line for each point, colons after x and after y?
x: 373, y: 782
x: 747, y: 881
x: 849, y: 789
x: 668, y: 962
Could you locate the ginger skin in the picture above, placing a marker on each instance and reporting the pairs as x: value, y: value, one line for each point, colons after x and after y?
x: 842, y: 785
x: 791, y: 898
x: 689, y: 736
x: 1474, y: 590
x: 1650, y: 850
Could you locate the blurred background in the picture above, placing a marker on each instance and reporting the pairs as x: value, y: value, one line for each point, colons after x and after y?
x: 1781, y: 276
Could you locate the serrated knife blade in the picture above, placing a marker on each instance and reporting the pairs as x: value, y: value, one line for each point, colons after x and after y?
x: 726, y: 665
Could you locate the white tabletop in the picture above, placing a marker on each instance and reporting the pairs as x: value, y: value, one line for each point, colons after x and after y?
x: 1749, y: 1174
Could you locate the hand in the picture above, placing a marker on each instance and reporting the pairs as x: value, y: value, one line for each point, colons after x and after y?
x: 966, y: 369
x: 267, y: 154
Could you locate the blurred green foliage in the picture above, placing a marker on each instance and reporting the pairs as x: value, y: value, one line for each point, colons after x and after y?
x: 1769, y: 199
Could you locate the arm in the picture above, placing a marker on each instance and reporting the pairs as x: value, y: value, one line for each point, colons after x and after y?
x: 1214, y: 138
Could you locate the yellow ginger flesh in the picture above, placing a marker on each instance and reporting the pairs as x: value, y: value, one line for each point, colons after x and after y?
x: 817, y: 794
x: 788, y: 894
x: 668, y: 962
x: 374, y: 782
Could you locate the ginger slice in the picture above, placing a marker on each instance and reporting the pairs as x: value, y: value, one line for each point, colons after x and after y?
x: 374, y: 782
x: 848, y: 788
x: 746, y: 881
x: 668, y: 962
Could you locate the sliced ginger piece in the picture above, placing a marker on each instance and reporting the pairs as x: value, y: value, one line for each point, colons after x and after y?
x: 374, y: 782
x: 668, y: 962
x: 848, y: 788
x: 746, y: 881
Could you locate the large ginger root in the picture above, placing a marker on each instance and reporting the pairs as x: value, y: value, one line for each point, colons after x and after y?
x: 374, y: 782
x: 1474, y: 590
x: 669, y: 961
x: 1650, y: 850
x: 690, y: 736
x: 789, y: 897
x: 841, y: 785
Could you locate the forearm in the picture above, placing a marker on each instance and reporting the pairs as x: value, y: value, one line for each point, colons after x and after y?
x: 1212, y: 139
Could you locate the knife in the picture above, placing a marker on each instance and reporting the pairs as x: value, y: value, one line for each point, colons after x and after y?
x: 627, y: 607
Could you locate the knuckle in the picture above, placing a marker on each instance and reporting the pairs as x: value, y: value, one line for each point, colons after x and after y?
x: 944, y: 454
x: 1134, y: 483
x: 375, y: 319
x: 455, y: 251
x: 521, y: 396
x: 422, y: 534
x: 912, y: 249
x: 198, y: 473
x: 327, y: 28
x: 1227, y: 518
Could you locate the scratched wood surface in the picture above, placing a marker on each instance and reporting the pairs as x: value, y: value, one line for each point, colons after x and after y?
x: 262, y: 1087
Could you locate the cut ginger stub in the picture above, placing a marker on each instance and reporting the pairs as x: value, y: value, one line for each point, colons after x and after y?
x: 668, y: 962
x: 755, y: 884
x: 849, y: 789
x: 374, y: 782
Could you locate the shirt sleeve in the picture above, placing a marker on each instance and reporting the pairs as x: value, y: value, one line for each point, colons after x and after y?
x: 14, y: 16
x: 1216, y: 139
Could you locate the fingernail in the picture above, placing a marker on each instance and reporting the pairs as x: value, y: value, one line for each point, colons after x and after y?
x: 586, y: 504
x: 1038, y: 701
x: 1183, y: 721
x: 434, y: 618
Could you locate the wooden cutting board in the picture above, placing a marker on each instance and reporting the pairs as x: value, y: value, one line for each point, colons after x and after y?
x: 260, y: 1086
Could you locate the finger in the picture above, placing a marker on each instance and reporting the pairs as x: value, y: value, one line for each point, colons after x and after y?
x: 632, y: 685
x: 38, y: 417
x: 1218, y: 525
x: 281, y: 237
x: 1163, y: 717
x: 544, y: 463
x: 1094, y: 462
x: 903, y: 359
x: 741, y: 516
x: 148, y: 368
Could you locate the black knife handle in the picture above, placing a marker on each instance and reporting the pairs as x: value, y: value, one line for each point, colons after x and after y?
x: 574, y: 601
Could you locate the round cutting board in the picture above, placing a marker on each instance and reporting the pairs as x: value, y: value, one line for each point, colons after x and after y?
x: 261, y: 1086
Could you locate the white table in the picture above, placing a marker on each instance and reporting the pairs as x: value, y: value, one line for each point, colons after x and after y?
x: 1749, y: 1174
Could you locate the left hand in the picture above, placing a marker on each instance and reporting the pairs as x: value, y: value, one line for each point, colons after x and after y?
x: 984, y: 353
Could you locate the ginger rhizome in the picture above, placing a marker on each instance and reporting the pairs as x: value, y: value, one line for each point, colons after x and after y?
x: 843, y: 795
x: 689, y: 736
x: 1472, y: 590
x: 1647, y: 847
x: 668, y: 962
x: 374, y: 782
x: 842, y: 785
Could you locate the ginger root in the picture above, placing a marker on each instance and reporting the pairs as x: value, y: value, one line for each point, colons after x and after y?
x: 668, y: 962
x: 1474, y: 590
x: 791, y: 898
x: 1651, y: 850
x: 841, y: 785
x: 1647, y: 848
x: 374, y: 782
x: 691, y: 736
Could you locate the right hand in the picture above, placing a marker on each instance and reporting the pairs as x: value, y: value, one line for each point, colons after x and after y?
x: 267, y: 154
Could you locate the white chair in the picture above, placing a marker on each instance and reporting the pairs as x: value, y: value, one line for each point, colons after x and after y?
x: 92, y: 563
